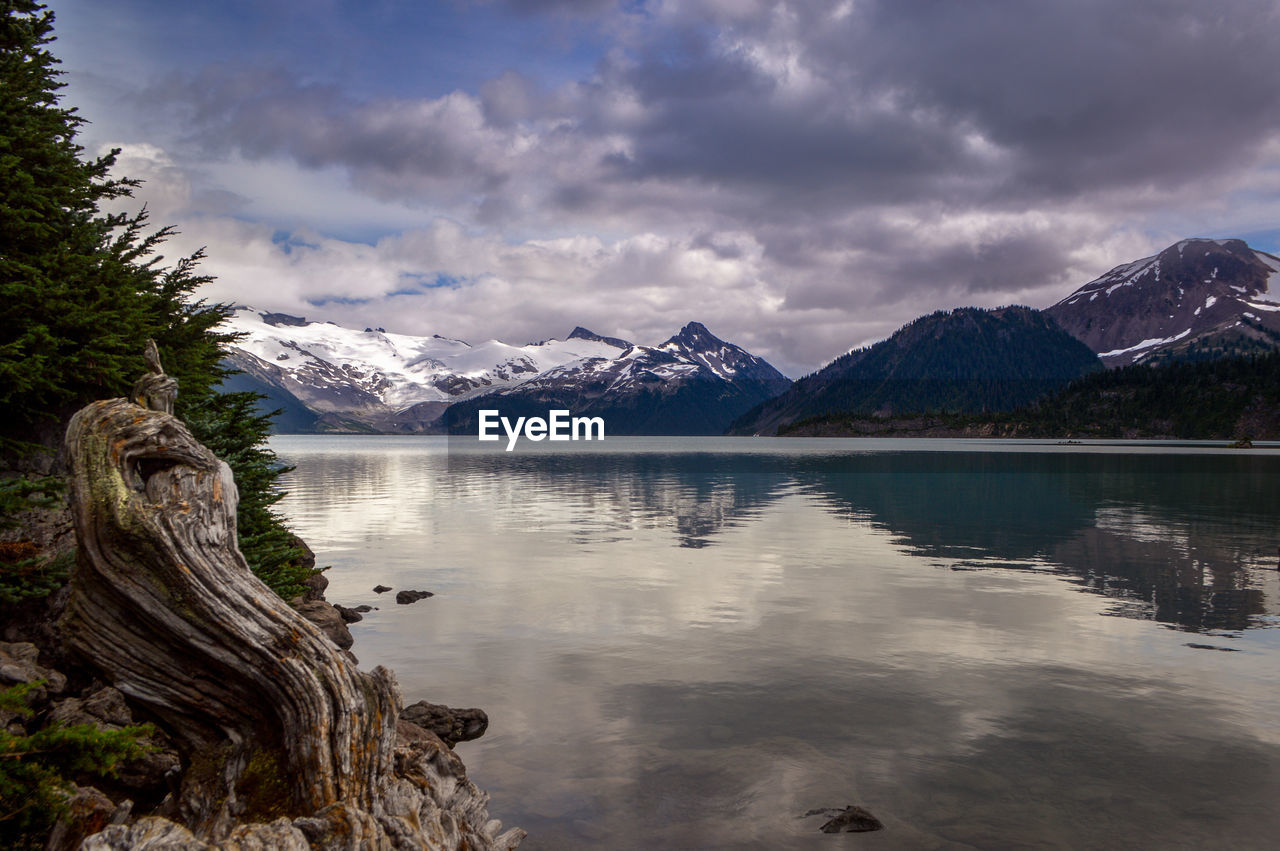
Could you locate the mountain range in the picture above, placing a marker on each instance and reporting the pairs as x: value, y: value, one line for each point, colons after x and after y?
x: 329, y: 378
x: 1199, y: 299
x: 694, y: 383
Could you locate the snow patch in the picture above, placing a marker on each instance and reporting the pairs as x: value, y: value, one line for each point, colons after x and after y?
x: 1145, y: 344
x: 1271, y: 286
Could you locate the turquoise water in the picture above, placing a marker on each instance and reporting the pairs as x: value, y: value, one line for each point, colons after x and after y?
x: 690, y: 643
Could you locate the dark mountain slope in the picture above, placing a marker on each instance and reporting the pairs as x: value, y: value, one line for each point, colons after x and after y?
x: 1224, y: 399
x: 962, y: 360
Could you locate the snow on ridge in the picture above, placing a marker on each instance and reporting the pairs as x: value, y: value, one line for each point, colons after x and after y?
x: 398, y: 368
x: 1145, y: 344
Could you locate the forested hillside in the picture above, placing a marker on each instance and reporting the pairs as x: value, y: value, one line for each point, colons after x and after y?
x: 1227, y: 399
x: 960, y: 360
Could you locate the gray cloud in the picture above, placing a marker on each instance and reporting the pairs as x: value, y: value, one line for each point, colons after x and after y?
x: 987, y: 103
x: 1089, y: 94
x: 885, y: 158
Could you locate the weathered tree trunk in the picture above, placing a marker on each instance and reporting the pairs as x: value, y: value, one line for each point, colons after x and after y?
x: 274, y: 720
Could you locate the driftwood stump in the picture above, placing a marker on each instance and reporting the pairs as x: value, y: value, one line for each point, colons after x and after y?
x: 274, y: 722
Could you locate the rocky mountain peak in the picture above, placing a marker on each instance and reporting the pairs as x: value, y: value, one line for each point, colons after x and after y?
x: 696, y: 335
x: 283, y: 319
x: 1197, y: 292
x: 580, y: 333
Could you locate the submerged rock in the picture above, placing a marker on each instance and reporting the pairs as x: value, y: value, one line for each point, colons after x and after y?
x: 851, y: 819
x: 381, y: 589
x: 404, y: 598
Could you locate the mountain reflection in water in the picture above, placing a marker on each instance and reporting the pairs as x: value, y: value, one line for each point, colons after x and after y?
x: 691, y: 643
x: 1170, y: 536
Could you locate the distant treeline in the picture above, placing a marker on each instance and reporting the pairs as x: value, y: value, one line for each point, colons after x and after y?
x: 1228, y: 399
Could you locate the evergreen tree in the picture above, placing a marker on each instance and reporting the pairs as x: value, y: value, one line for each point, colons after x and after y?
x: 81, y: 291
x: 35, y: 767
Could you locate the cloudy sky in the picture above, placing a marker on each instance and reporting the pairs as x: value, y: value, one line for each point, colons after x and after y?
x: 801, y: 177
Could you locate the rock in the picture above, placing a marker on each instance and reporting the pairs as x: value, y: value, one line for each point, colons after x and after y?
x: 19, y: 664
x: 381, y: 589
x: 349, y: 615
x: 316, y: 584
x: 106, y: 709
x: 363, y: 609
x: 451, y: 725
x: 47, y: 530
x: 88, y: 811
x: 404, y: 598
x: 330, y: 622
x: 431, y: 788
x: 851, y: 819
x: 407, y: 733
x: 146, y: 834
x: 159, y: 834
x: 307, y: 561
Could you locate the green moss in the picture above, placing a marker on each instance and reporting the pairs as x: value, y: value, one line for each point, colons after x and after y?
x: 262, y: 787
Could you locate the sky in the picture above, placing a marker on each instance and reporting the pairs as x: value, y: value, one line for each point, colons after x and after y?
x: 803, y: 178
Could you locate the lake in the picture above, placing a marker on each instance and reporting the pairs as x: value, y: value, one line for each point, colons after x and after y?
x: 692, y: 642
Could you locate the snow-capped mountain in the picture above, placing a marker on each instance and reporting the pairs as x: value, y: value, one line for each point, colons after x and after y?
x: 372, y: 377
x: 1197, y: 298
x: 332, y: 378
x: 694, y: 383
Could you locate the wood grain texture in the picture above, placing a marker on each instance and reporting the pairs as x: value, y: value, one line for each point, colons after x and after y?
x: 273, y: 720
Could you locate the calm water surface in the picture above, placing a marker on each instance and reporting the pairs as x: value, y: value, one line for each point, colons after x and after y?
x: 689, y: 643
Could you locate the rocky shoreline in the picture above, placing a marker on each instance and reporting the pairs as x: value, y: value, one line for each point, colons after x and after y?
x: 263, y: 731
